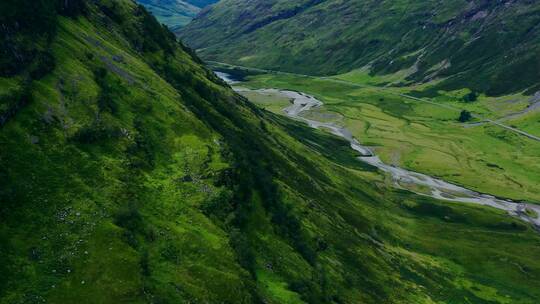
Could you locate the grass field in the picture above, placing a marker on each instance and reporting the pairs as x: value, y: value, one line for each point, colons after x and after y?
x: 428, y: 138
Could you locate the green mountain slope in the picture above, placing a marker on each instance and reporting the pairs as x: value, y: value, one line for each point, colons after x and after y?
x: 130, y: 174
x: 175, y: 13
x: 487, y: 46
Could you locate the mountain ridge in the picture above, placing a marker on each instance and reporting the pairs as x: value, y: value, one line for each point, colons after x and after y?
x: 462, y: 44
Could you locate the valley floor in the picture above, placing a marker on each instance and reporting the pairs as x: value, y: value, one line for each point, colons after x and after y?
x: 496, y: 153
x: 303, y: 106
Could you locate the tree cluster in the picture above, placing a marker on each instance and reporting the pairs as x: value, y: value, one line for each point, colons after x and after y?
x: 26, y: 30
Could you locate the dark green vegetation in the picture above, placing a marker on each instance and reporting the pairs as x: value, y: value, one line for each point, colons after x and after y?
x: 487, y: 46
x: 470, y: 97
x: 25, y: 39
x: 131, y: 174
x: 175, y: 13
x: 465, y: 116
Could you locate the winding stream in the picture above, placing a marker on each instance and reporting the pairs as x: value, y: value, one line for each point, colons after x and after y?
x: 402, y: 178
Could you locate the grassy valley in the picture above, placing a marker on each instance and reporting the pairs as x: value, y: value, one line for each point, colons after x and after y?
x: 425, y: 136
x: 477, y: 59
x: 130, y: 173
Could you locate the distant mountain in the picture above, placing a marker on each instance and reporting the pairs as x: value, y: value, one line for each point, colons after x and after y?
x: 175, y: 13
x: 490, y: 46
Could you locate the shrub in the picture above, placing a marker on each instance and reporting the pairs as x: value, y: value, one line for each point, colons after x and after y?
x: 141, y: 151
x: 95, y: 132
x: 11, y: 103
x: 72, y: 8
x: 131, y: 220
x: 244, y: 251
x: 111, y: 89
x: 145, y: 264
x: 220, y: 205
x: 113, y: 11
x: 471, y: 97
x: 42, y: 65
x: 465, y: 116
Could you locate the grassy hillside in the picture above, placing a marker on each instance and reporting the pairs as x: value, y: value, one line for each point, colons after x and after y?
x: 175, y: 13
x: 131, y: 174
x: 486, y: 46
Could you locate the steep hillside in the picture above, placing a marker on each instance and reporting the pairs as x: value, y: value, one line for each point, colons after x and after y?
x: 130, y: 173
x: 487, y: 46
x: 175, y: 13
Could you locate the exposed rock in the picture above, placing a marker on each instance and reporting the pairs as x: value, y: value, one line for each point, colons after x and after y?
x: 535, y: 98
x: 118, y: 58
x: 479, y: 15
x: 186, y: 179
x: 48, y: 116
x: 117, y: 70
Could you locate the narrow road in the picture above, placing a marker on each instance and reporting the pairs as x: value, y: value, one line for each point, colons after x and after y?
x: 382, y: 89
x: 514, y: 130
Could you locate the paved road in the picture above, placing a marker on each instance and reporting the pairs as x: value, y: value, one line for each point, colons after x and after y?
x: 485, y: 120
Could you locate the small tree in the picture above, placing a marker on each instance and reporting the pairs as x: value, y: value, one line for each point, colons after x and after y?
x: 465, y: 116
x: 471, y: 97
